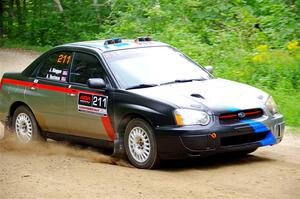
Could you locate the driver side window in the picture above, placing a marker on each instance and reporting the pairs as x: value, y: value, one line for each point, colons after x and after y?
x: 86, y: 66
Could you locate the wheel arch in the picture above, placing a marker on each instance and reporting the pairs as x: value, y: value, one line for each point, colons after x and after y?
x: 128, y: 117
x: 14, y: 107
x: 119, y: 150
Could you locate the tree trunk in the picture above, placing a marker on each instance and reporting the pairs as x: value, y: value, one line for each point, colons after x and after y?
x: 24, y: 12
x: 19, y: 13
x: 10, y: 15
x: 96, y: 5
x: 59, y: 6
x: 1, y: 18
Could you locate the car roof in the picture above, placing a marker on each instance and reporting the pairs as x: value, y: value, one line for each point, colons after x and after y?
x: 124, y: 44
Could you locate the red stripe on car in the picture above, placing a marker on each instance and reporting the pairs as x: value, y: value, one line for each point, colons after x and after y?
x: 252, y: 113
x: 47, y: 86
x: 18, y: 82
x: 108, y: 127
x: 228, y: 116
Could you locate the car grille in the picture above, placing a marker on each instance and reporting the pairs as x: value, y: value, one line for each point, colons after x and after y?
x: 242, y: 139
x: 240, y: 115
x: 199, y: 142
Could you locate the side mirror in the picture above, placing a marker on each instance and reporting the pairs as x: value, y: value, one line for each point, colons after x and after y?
x: 210, y: 69
x: 97, y: 83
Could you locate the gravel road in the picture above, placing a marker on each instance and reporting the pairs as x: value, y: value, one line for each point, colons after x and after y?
x: 58, y: 170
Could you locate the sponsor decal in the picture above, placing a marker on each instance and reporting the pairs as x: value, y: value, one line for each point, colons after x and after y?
x: 91, y: 103
x: 57, y: 74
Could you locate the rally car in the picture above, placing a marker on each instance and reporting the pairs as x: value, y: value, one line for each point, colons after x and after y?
x: 144, y: 99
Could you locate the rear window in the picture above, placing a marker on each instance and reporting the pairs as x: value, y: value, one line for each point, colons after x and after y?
x: 56, y: 67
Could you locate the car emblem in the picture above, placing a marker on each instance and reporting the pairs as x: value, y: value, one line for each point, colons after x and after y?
x: 241, y: 114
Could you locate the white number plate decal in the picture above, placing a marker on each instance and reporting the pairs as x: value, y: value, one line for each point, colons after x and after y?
x: 90, y: 103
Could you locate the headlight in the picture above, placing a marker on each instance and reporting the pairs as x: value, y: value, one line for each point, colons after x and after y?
x: 191, y: 117
x: 271, y: 105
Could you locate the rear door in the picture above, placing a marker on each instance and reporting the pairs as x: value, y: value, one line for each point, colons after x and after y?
x: 47, y: 96
x: 88, y: 109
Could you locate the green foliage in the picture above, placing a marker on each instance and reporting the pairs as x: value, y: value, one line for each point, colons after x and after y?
x: 251, y: 41
x: 45, y: 25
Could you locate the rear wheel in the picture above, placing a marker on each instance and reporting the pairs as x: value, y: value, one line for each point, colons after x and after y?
x: 25, y: 126
x: 140, y: 144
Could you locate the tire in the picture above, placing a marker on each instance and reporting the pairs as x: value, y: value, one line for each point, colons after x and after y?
x: 140, y: 144
x: 25, y: 126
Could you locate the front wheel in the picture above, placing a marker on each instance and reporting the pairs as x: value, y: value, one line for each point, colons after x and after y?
x: 140, y: 144
x: 25, y: 126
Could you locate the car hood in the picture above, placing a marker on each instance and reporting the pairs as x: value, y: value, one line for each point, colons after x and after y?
x: 217, y: 95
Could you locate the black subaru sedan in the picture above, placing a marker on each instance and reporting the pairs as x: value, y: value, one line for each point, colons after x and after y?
x: 144, y: 99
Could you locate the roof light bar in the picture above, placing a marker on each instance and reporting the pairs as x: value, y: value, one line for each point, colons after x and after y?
x: 113, y: 41
x: 142, y: 39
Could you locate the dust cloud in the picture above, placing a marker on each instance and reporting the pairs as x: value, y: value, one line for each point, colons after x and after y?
x: 9, y: 143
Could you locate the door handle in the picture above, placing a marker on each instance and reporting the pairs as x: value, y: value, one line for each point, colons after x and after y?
x: 71, y: 94
x: 33, y: 87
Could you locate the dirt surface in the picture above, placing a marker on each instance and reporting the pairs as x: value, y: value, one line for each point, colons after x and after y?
x: 58, y: 170
x: 15, y: 60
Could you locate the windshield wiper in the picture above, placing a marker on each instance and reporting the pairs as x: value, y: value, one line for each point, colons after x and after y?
x: 141, y: 86
x: 171, y: 82
x: 183, y: 80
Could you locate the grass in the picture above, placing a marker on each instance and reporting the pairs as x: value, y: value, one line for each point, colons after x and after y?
x: 289, y: 105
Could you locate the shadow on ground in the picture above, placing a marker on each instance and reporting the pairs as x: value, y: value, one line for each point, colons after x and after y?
x: 212, y: 162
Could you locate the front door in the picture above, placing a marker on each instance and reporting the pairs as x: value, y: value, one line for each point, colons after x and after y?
x: 88, y: 109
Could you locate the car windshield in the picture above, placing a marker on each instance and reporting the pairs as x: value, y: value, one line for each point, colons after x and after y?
x: 146, y: 67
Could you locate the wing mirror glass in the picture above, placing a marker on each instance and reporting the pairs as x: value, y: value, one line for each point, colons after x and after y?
x: 210, y: 69
x: 97, y: 83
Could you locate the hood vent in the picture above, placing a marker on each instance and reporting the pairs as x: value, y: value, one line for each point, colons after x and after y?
x: 197, y: 95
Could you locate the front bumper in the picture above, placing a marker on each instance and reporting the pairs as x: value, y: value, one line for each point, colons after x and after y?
x: 195, y: 141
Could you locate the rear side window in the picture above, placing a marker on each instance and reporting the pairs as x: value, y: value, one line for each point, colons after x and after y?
x: 56, y: 67
x: 86, y: 66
